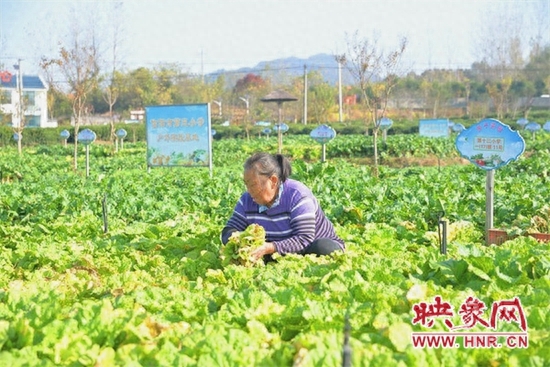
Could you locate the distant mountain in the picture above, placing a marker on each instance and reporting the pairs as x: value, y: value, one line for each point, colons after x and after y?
x: 283, y: 70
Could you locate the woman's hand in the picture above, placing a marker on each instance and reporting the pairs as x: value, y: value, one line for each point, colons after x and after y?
x: 267, y: 248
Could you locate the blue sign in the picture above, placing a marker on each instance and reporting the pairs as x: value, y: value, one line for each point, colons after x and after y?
x: 385, y: 123
x: 490, y: 144
x: 65, y: 134
x: 266, y: 131
x: 522, y: 122
x: 458, y: 128
x: 283, y: 127
x: 178, y: 135
x: 546, y: 126
x: 121, y: 133
x: 323, y: 134
x: 86, y: 137
x: 434, y: 128
x: 532, y: 126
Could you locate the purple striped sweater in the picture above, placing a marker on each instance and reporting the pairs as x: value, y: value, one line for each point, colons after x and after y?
x: 292, y: 225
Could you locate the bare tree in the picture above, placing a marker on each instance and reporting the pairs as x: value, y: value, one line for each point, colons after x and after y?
x: 78, y: 62
x: 111, y: 89
x: 504, y: 34
x: 377, y: 73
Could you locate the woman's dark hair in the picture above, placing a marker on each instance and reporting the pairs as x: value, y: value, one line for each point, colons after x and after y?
x: 266, y: 164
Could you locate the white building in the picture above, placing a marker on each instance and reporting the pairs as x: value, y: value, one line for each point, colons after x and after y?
x: 34, y: 94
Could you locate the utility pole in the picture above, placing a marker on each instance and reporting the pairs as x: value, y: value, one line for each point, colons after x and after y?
x: 340, y: 60
x: 20, y: 110
x: 202, y: 66
x: 305, y: 94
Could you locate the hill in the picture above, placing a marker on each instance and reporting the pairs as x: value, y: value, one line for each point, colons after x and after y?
x: 281, y: 71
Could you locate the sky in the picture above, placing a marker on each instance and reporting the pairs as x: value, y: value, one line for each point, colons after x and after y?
x: 207, y: 35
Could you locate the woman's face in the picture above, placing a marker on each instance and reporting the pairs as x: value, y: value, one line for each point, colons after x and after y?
x: 262, y: 188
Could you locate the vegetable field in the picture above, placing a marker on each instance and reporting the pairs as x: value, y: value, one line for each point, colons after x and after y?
x: 123, y: 268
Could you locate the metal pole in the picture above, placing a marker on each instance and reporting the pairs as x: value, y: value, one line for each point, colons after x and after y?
x: 339, y: 90
x: 20, y: 111
x: 305, y: 95
x: 87, y: 160
x: 323, y: 155
x: 443, y: 239
x: 104, y: 206
x: 279, y: 131
x: 489, y: 198
x: 346, y: 352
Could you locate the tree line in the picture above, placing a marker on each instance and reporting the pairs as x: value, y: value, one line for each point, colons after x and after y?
x: 86, y: 77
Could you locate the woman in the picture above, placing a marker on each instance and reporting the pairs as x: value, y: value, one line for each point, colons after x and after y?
x: 290, y: 214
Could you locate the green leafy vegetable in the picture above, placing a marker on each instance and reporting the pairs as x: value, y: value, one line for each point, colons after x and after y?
x: 240, y: 246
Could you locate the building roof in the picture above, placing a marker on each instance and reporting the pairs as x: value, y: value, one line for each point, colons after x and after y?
x: 29, y: 82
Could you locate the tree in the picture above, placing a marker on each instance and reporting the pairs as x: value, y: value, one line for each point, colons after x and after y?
x: 502, y: 46
x: 111, y: 89
x: 78, y: 62
x: 537, y: 70
x: 140, y: 89
x: 249, y: 90
x: 377, y: 73
x: 498, y: 91
x: 322, y: 97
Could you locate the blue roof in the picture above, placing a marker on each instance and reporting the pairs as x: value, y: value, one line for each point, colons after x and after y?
x: 29, y: 82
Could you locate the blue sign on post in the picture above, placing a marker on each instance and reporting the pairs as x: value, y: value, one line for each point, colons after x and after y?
x: 283, y: 127
x: 121, y: 133
x: 385, y: 123
x: 179, y: 135
x: 86, y: 137
x: 323, y: 134
x: 65, y: 134
x: 532, y: 126
x: 522, y: 122
x: 490, y: 144
x: 434, y: 128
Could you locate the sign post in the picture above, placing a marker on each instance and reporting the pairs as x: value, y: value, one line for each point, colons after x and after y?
x: 120, y: 134
x: 323, y: 134
x: 490, y: 144
x: 385, y: 124
x: 179, y: 135
x: 65, y: 134
x: 433, y: 128
x: 87, y: 137
x: 533, y: 127
x: 281, y: 128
